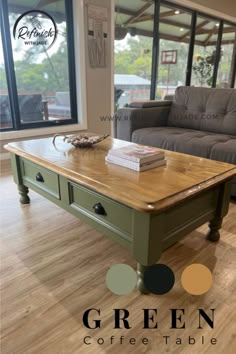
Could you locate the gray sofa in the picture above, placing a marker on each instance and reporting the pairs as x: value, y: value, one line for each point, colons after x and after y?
x: 199, y: 121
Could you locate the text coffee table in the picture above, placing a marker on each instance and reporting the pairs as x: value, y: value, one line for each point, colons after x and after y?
x: 146, y: 212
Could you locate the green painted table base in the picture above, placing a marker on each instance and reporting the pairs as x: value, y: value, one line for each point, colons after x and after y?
x: 146, y: 235
x: 23, y: 191
x: 214, y: 227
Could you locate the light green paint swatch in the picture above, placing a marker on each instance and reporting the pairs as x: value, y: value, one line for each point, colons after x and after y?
x: 121, y: 279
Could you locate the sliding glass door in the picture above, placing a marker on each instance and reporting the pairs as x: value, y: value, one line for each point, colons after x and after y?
x: 180, y: 47
x: 174, y: 33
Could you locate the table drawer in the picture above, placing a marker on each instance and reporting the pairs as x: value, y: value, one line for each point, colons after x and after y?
x: 102, y: 209
x: 40, y: 177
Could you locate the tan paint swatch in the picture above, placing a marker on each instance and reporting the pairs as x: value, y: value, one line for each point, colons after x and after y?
x: 196, y: 279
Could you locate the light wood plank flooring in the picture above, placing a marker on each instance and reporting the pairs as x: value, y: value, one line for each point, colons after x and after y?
x: 53, y: 268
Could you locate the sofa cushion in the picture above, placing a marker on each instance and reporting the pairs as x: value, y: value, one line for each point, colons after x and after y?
x: 188, y: 141
x: 224, y: 151
x: 206, y: 109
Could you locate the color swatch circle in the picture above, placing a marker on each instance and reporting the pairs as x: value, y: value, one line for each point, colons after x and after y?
x: 159, y: 279
x: 121, y: 279
x: 196, y: 279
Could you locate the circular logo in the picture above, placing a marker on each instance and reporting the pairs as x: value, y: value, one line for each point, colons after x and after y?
x: 35, y: 29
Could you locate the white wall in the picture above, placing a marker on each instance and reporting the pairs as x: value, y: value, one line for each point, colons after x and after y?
x: 99, y: 80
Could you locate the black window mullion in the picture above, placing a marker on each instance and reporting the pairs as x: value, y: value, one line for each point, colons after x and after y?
x: 191, y: 49
x: 233, y: 78
x: 233, y: 65
x: 9, y: 66
x: 71, y: 60
x: 218, y: 53
x: 155, y: 50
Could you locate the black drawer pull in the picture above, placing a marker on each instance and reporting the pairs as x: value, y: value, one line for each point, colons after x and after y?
x: 39, y: 177
x: 98, y: 209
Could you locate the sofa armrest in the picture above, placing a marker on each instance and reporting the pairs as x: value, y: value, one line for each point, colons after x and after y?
x: 150, y: 104
x: 151, y: 114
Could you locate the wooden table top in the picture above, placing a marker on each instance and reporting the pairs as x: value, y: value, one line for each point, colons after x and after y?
x: 148, y: 191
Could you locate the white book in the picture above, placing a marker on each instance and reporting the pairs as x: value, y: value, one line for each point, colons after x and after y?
x: 138, y: 153
x: 132, y: 164
x: 135, y: 166
x: 136, y: 162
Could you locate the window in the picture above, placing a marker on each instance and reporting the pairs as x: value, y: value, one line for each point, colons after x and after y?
x: 186, y: 51
x: 5, y: 113
x: 174, y: 30
x: 206, y: 35
x: 43, y: 68
x: 133, y: 52
x: 227, y: 57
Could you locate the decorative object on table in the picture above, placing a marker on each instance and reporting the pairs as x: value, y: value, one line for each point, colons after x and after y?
x: 81, y: 140
x: 137, y: 157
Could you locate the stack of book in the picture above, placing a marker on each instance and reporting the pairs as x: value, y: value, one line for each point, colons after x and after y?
x: 137, y: 157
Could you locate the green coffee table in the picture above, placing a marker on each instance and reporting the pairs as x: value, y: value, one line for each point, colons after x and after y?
x: 145, y: 212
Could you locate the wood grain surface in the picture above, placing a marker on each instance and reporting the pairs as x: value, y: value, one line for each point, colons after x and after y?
x: 183, y: 176
x: 53, y: 268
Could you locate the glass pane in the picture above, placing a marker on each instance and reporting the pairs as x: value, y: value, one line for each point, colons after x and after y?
x: 41, y: 65
x: 225, y: 70
x: 5, y: 112
x: 175, y: 27
x: 204, y: 51
x: 133, y: 52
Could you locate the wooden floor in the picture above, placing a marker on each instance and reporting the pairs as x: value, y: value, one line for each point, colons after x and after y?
x: 53, y: 268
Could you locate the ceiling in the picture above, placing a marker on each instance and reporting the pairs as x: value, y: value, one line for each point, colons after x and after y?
x: 137, y: 17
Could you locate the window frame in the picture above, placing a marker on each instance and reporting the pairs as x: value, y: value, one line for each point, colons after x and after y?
x: 11, y: 77
x: 194, y: 14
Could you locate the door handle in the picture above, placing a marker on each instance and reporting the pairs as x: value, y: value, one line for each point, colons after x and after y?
x: 39, y: 178
x: 99, y: 209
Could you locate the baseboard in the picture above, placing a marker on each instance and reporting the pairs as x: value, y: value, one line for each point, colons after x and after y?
x: 4, y: 156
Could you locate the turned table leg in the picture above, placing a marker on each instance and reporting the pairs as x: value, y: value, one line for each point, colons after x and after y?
x: 222, y: 209
x: 23, y: 191
x: 214, y: 227
x: 140, y: 283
